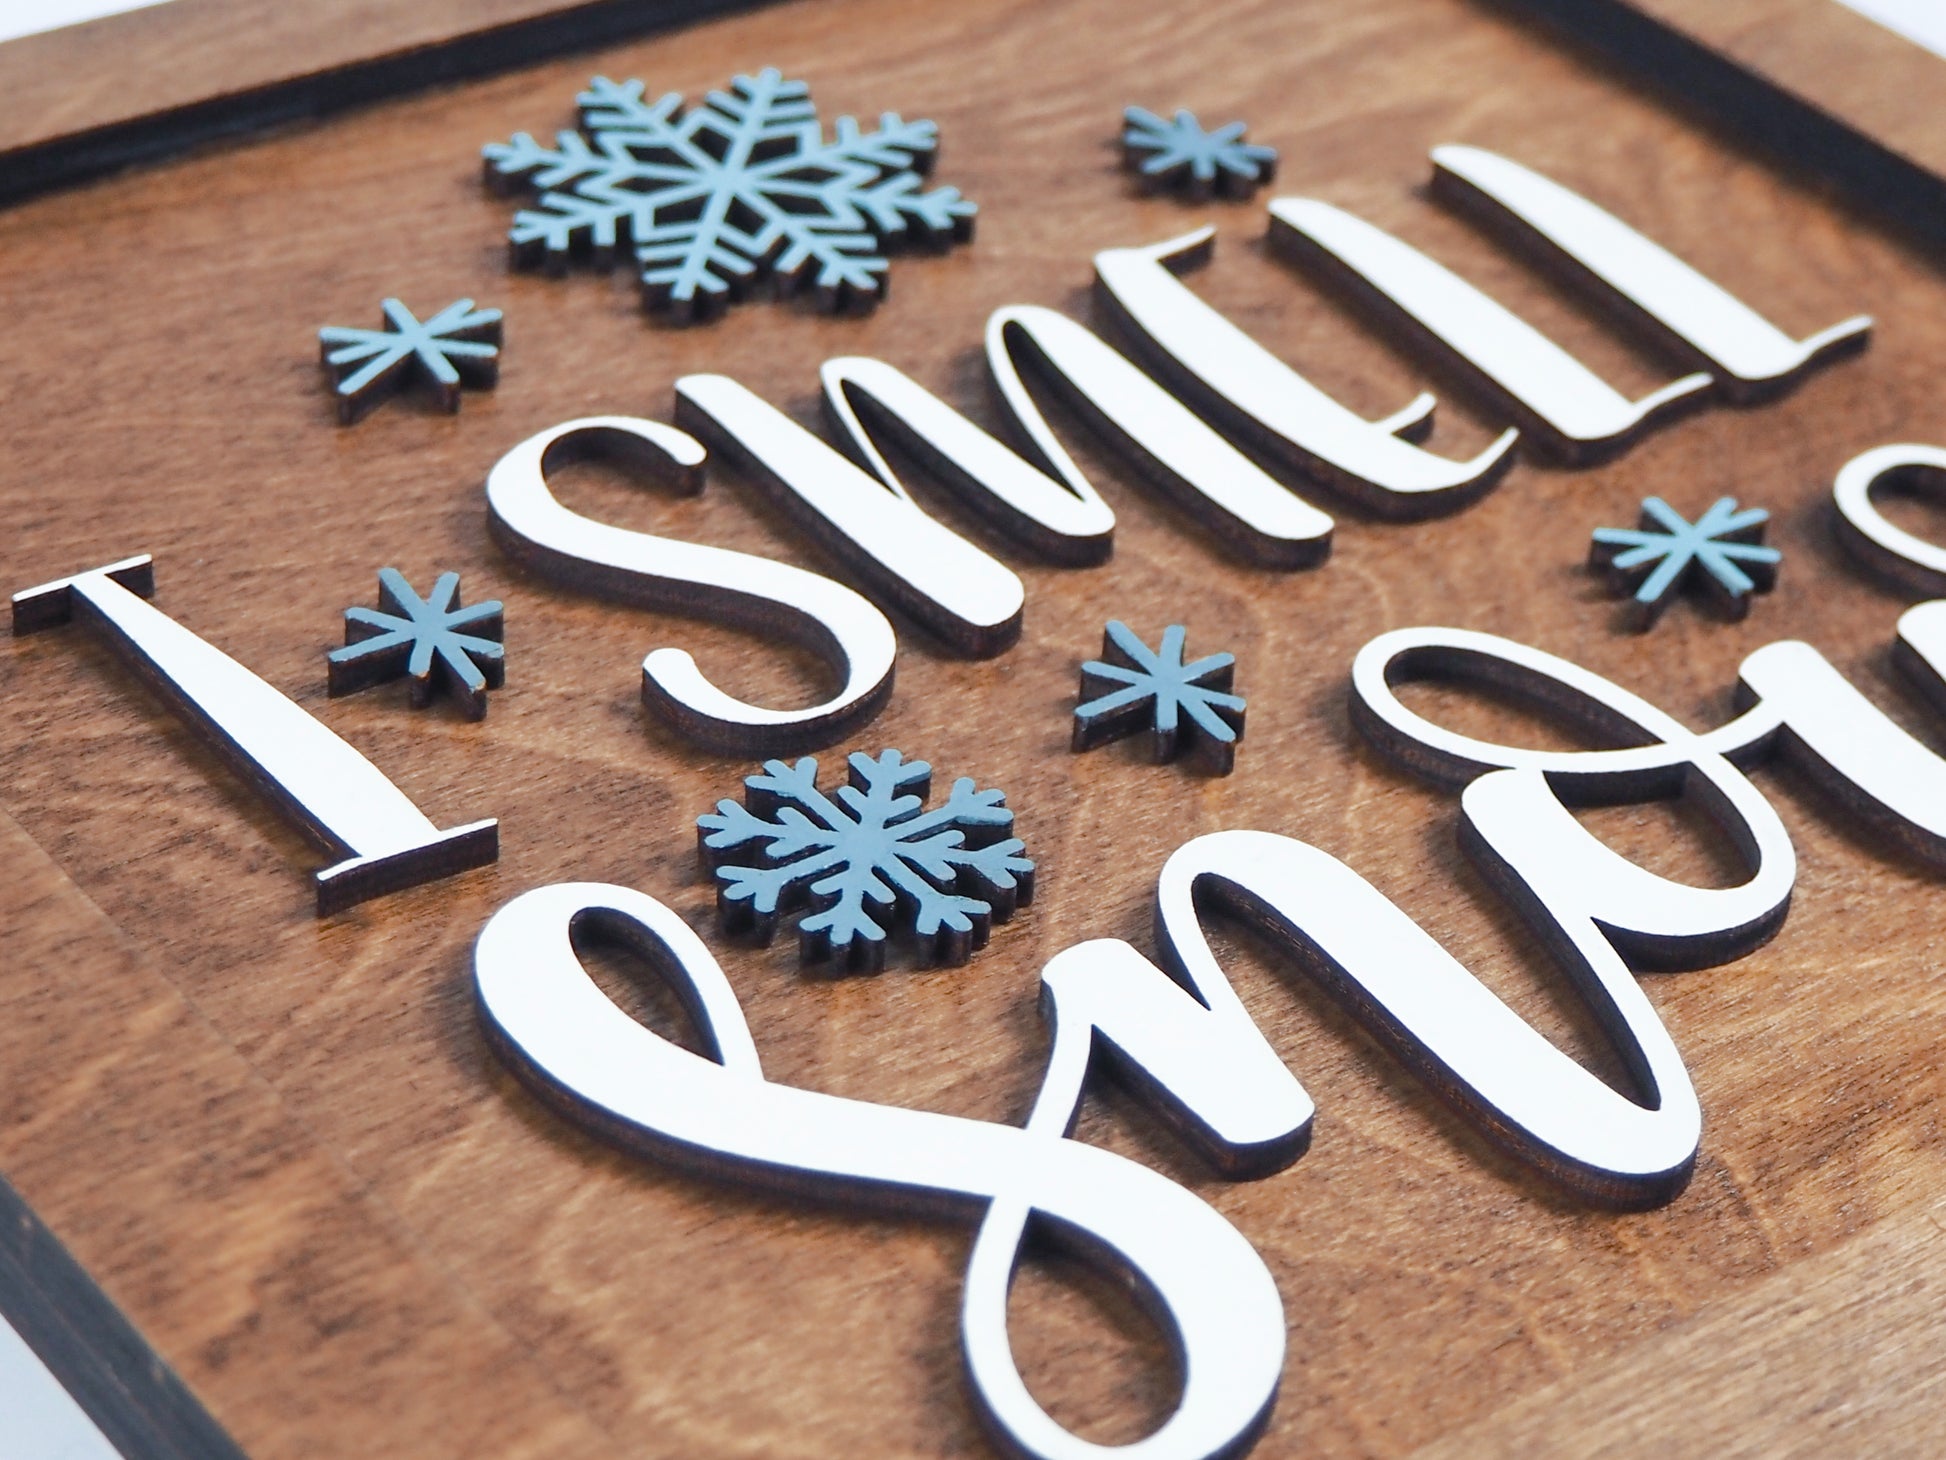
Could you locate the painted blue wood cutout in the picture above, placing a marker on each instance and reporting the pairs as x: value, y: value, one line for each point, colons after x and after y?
x: 1183, y: 707
x: 1721, y: 552
x: 1177, y: 155
x: 458, y: 346
x: 431, y: 640
x: 867, y: 859
x: 742, y: 188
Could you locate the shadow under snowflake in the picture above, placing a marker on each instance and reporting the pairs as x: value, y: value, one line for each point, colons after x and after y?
x: 743, y: 187
x: 865, y: 859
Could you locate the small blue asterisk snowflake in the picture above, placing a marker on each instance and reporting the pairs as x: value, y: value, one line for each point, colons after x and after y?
x: 865, y: 857
x: 458, y: 346
x: 1721, y: 551
x: 1183, y: 706
x: 744, y: 186
x: 1181, y: 156
x: 426, y: 638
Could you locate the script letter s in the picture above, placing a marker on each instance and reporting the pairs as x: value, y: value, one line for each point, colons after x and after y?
x: 835, y: 623
x: 717, y: 1114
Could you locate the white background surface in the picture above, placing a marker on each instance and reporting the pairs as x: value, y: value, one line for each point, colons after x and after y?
x: 24, y: 17
x: 1923, y: 21
x: 37, y: 1419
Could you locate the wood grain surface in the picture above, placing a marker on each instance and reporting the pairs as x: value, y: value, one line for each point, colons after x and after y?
x: 84, y: 100
x: 1813, y: 85
x: 281, y: 1144
x: 1828, y: 55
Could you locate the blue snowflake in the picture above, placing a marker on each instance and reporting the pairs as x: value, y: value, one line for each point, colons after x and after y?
x: 458, y: 346
x: 865, y: 858
x: 1183, y: 706
x: 743, y: 186
x: 1181, y: 156
x: 1721, y: 551
x: 427, y: 638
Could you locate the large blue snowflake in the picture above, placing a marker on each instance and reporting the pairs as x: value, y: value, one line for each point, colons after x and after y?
x: 864, y: 858
x: 744, y: 186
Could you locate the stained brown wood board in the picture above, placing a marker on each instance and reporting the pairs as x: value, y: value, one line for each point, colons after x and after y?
x: 281, y: 1143
x: 83, y: 100
x: 1812, y: 84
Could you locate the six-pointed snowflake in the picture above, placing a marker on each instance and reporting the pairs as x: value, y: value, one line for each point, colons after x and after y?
x: 1183, y: 706
x: 427, y: 638
x: 1179, y: 155
x: 458, y: 346
x: 743, y: 186
x: 1721, y: 551
x: 865, y: 858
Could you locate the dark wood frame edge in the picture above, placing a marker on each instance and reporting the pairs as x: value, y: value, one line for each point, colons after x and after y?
x: 143, y: 1409
x: 1788, y: 130
x: 28, y: 171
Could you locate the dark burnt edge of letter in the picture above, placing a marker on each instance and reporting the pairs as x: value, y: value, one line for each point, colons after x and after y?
x: 1419, y: 342
x: 1187, y: 506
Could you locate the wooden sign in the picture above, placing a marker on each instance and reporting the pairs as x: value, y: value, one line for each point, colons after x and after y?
x: 1821, y: 88
x: 320, y: 1162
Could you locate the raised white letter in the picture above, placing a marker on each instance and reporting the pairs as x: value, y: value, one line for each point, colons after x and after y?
x: 687, y: 578
x: 918, y: 565
x: 1907, y: 560
x: 1751, y: 358
x: 1063, y: 520
x: 336, y: 796
x: 1243, y: 506
x: 1559, y: 402
x: 1205, y: 355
